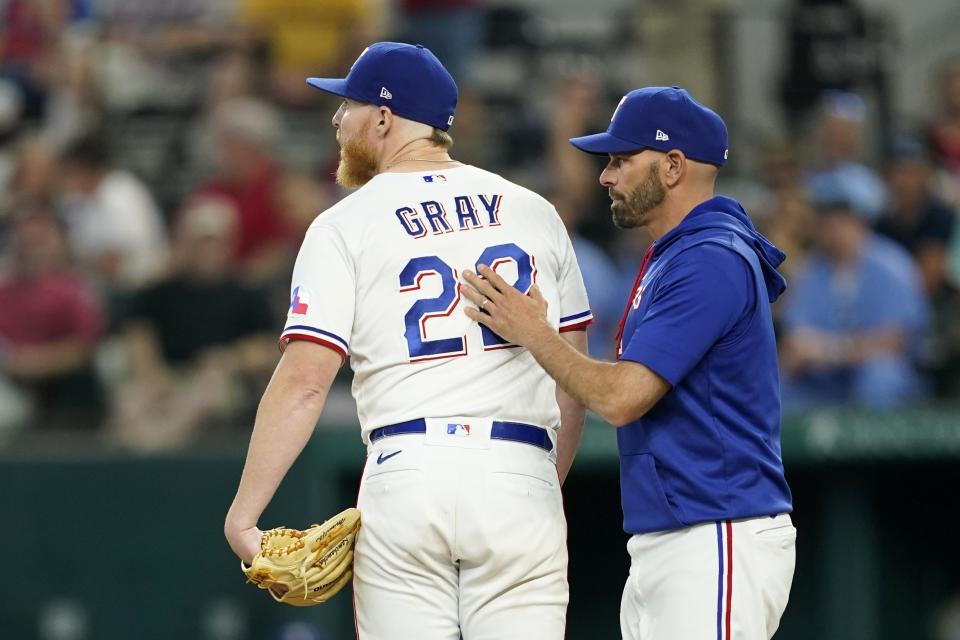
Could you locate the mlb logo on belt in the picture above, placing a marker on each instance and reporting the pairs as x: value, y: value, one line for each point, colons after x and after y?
x: 458, y: 429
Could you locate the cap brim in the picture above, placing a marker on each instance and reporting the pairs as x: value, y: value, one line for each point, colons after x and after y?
x: 336, y: 86
x: 604, y: 143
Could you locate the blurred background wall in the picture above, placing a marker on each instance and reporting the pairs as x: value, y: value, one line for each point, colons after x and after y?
x: 160, y: 161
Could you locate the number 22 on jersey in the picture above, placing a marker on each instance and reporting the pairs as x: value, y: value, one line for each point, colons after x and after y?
x: 415, y: 319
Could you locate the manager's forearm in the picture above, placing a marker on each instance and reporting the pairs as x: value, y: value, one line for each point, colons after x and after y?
x: 619, y: 392
x: 592, y: 383
x: 286, y: 417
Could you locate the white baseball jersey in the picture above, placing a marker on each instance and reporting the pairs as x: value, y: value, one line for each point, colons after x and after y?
x: 378, y: 279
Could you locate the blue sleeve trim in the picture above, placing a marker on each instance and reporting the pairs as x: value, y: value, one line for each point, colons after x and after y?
x: 576, y: 316
x: 302, y: 327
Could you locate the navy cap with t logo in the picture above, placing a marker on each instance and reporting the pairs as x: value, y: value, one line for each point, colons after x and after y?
x: 661, y: 118
x: 405, y: 77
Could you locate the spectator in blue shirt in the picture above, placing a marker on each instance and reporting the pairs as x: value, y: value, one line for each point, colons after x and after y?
x: 839, y: 140
x: 856, y: 320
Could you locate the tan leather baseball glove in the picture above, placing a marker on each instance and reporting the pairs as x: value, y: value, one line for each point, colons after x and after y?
x: 310, y: 566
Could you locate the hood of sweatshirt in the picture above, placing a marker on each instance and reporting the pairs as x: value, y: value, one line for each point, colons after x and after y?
x: 721, y: 215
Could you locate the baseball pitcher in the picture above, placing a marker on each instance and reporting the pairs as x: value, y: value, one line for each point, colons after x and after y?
x: 463, y: 530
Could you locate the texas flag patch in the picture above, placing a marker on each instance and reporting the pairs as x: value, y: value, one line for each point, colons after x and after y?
x: 300, y: 301
x: 458, y: 429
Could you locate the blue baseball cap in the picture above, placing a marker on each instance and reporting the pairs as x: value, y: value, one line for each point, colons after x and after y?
x: 661, y: 118
x: 405, y: 77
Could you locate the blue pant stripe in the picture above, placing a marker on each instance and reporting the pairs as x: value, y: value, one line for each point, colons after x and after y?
x: 720, y: 582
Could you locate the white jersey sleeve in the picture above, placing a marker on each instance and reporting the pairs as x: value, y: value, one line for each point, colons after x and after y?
x: 574, y: 308
x: 322, y: 293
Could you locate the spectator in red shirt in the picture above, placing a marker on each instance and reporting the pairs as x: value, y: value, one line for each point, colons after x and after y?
x: 251, y: 178
x: 50, y: 325
x: 28, y: 43
x: 944, y: 133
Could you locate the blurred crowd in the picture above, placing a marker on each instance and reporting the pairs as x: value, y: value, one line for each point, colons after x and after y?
x: 160, y: 161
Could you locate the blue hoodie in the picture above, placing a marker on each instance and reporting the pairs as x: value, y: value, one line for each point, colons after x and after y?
x: 709, y: 450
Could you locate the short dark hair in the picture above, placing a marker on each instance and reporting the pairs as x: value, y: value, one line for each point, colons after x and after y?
x: 838, y: 207
x: 90, y: 151
x: 907, y: 147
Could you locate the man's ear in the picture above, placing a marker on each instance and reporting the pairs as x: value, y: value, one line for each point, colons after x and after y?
x: 675, y: 166
x: 384, y: 121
